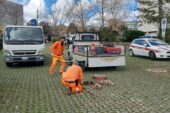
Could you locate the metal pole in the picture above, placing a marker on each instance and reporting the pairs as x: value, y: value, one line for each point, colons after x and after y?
x: 164, y: 14
x: 37, y: 16
x: 164, y: 29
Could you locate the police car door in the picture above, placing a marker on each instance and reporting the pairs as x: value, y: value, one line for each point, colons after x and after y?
x: 143, y: 48
x: 137, y: 47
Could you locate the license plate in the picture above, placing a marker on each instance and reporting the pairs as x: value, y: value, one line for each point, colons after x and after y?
x: 24, y: 58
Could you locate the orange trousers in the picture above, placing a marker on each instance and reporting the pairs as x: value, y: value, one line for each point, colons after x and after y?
x: 54, y: 62
x: 72, y: 86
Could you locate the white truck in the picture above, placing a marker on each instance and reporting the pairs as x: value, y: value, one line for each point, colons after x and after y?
x: 23, y: 44
x: 105, y: 55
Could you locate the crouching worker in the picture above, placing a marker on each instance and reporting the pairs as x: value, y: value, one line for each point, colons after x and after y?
x: 72, y: 78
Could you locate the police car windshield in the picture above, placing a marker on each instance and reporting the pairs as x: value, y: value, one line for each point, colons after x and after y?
x: 156, y: 42
x: 23, y: 35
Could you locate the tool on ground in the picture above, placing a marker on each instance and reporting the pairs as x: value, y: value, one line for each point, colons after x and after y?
x: 88, y: 91
x: 101, y: 80
x: 97, y: 86
x: 87, y: 82
x: 98, y: 78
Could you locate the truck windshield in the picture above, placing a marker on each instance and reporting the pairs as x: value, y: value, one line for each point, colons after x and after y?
x: 88, y: 37
x: 23, y: 35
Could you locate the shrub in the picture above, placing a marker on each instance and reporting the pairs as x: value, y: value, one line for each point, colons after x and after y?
x: 167, y: 37
x: 54, y: 38
x: 107, y: 34
x: 130, y: 35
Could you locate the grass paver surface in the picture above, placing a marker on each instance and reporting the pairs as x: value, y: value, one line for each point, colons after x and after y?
x: 29, y: 89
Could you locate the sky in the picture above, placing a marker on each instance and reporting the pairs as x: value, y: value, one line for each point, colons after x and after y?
x: 31, y: 6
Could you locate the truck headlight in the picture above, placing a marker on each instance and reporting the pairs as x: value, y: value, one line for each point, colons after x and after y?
x: 41, y: 52
x: 7, y: 53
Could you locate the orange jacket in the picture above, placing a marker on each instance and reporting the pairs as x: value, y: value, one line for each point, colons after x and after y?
x: 73, y: 73
x: 57, y: 48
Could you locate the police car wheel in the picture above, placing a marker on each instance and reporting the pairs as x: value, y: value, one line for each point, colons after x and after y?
x: 131, y: 53
x: 152, y: 55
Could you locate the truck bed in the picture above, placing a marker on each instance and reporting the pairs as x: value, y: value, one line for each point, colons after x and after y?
x: 101, y: 55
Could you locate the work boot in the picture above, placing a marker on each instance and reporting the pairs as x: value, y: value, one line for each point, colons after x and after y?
x: 69, y: 91
x: 77, y: 89
x: 50, y: 73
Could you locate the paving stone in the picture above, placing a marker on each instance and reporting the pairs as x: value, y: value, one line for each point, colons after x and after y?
x: 32, y: 90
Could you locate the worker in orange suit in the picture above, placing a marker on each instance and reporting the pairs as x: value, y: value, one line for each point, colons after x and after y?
x: 72, y: 78
x: 57, y: 50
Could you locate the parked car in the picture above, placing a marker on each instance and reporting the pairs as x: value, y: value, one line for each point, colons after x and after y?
x: 149, y: 47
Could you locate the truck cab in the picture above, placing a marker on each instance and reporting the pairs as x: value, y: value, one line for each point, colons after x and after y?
x: 23, y: 44
x: 83, y: 39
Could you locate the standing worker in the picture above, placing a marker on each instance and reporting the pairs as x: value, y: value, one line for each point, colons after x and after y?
x: 72, y: 78
x: 57, y: 50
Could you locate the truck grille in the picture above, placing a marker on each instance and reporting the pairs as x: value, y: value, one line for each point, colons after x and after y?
x: 23, y: 52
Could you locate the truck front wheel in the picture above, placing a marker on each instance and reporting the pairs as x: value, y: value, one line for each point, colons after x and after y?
x: 40, y: 63
x: 9, y: 64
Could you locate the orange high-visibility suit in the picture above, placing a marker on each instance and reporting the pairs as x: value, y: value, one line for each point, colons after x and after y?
x: 57, y: 50
x: 72, y: 78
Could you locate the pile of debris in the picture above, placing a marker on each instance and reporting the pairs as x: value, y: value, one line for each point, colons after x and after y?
x: 98, y: 82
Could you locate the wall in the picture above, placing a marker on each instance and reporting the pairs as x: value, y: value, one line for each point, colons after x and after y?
x: 11, y: 13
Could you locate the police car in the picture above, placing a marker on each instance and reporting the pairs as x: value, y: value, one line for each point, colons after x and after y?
x: 149, y: 47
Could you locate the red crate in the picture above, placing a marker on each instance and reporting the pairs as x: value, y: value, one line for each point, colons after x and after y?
x: 100, y: 78
x: 112, y: 50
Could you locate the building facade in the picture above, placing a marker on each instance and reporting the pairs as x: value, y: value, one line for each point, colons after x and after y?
x: 149, y: 29
x: 133, y: 25
x: 11, y: 13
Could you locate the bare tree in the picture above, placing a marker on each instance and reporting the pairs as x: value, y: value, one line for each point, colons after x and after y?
x: 110, y: 9
x: 72, y: 28
x: 118, y: 9
x: 80, y: 14
x: 42, y: 13
x: 59, y: 16
x: 101, y: 11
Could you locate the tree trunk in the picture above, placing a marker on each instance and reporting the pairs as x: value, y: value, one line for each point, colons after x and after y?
x: 102, y: 14
x: 161, y: 13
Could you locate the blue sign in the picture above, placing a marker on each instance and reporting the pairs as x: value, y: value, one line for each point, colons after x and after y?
x: 34, y: 22
x: 164, y: 23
